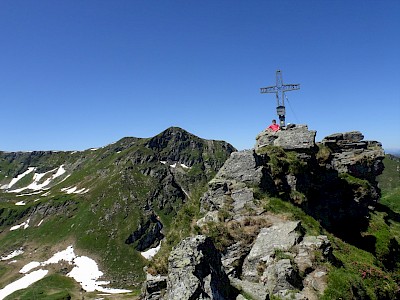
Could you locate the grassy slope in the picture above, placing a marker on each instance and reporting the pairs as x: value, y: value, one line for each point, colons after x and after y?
x: 372, y: 275
x: 78, y: 221
x: 96, y: 223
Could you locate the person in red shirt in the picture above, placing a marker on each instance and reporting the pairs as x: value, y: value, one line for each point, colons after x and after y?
x: 273, y: 127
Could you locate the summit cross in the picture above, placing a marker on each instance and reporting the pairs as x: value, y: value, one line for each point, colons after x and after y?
x: 279, y: 89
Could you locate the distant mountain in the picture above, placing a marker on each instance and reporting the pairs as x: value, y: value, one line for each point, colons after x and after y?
x: 110, y: 203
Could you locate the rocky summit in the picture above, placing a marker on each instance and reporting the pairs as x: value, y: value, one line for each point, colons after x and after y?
x: 256, y: 250
x: 175, y: 216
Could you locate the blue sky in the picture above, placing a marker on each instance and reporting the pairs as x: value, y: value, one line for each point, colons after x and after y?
x: 81, y: 74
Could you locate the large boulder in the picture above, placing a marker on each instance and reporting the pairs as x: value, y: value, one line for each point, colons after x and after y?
x: 295, y: 137
x: 350, y: 154
x: 231, y: 185
x: 243, y: 166
x: 195, y: 272
x: 154, y: 287
x: 281, y: 236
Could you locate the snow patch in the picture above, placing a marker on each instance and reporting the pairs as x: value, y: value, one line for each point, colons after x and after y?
x: 28, y: 194
x: 25, y: 225
x: 149, y: 254
x: 174, y: 165
x: 74, y: 190
x: 59, y: 172
x: 46, y: 194
x: 18, y: 178
x: 67, y: 255
x: 22, y: 283
x: 85, y: 271
x: 35, y: 185
x: 12, y: 254
x: 20, y: 203
x: 30, y: 266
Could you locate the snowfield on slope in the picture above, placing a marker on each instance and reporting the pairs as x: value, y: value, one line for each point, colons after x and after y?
x: 36, y: 185
x: 85, y: 271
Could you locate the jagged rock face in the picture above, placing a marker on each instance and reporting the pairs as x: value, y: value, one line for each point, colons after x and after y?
x: 154, y: 287
x: 243, y: 167
x: 336, y: 182
x: 350, y: 154
x: 147, y: 235
x: 196, y: 272
x: 333, y: 181
x: 295, y: 137
x: 234, y: 180
x: 281, y: 236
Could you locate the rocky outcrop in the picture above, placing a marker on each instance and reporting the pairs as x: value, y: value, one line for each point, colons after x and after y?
x: 267, y: 255
x: 278, y: 260
x: 350, y: 154
x: 232, y: 187
x: 147, y: 234
x: 281, y: 236
x: 273, y: 266
x: 154, y: 287
x: 195, y: 272
x: 295, y: 137
x: 334, y: 181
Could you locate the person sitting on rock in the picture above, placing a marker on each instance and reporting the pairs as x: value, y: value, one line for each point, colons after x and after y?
x: 273, y: 127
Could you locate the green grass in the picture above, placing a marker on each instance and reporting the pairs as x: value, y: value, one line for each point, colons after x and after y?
x: 365, y: 275
x: 351, y: 180
x: 389, y: 182
x: 279, y: 206
x: 358, y: 276
x: 52, y: 287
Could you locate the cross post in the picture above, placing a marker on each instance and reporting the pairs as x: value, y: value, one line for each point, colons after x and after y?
x: 279, y: 89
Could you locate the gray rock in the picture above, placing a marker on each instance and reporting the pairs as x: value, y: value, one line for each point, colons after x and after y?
x: 256, y: 291
x: 211, y: 216
x: 295, y: 138
x: 234, y: 256
x: 229, y: 185
x: 241, y: 198
x: 315, y: 284
x: 215, y: 197
x: 353, y: 136
x: 333, y: 137
x: 154, y: 287
x: 305, y: 258
x: 195, y: 272
x: 281, y: 236
x: 280, y: 278
x: 352, y: 155
x: 241, y: 166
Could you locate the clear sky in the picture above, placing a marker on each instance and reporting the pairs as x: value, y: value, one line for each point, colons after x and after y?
x: 81, y: 74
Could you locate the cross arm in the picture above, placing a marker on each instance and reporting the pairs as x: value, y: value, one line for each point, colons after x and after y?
x: 290, y: 87
x: 269, y: 89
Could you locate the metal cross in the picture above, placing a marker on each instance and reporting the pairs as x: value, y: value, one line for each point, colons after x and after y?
x: 279, y: 89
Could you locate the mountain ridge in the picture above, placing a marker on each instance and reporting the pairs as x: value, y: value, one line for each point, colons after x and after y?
x: 155, y: 196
